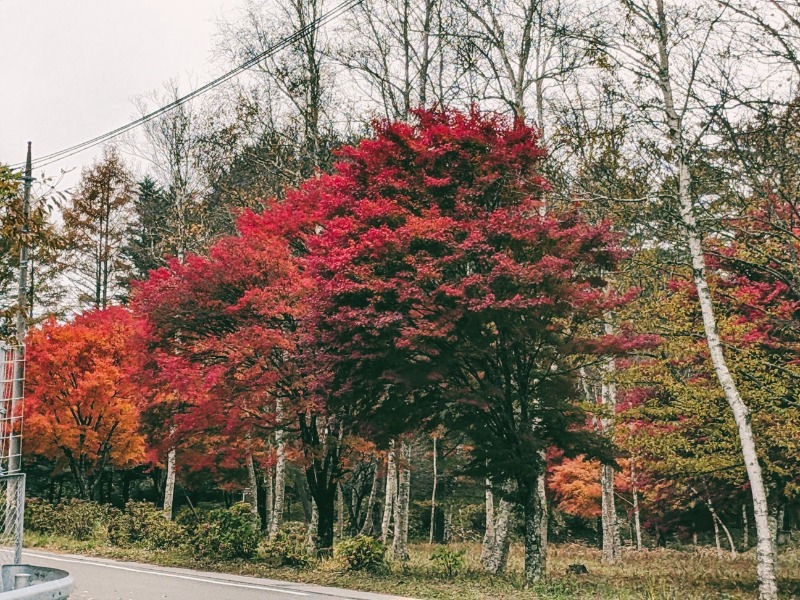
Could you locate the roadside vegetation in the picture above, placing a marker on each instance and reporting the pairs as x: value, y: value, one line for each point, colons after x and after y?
x: 140, y: 534
x: 546, y: 303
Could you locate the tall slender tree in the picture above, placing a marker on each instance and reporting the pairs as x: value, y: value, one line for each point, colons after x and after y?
x: 95, y: 222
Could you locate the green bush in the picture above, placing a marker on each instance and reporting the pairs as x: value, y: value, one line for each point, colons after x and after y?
x: 167, y: 536
x: 288, y: 549
x: 361, y: 553
x: 447, y: 560
x: 82, y: 519
x: 191, y: 518
x: 227, y: 534
x: 144, y: 525
x: 120, y: 531
x: 40, y: 516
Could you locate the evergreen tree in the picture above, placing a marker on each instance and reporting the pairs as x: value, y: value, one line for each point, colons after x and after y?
x: 146, y: 247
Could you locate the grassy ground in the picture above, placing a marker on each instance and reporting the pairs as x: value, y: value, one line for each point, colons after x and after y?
x: 653, y: 574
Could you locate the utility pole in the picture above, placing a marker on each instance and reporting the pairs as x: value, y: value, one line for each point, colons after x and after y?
x: 15, y: 446
x: 13, y: 479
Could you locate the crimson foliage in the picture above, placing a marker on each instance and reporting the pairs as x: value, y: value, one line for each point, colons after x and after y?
x: 418, y: 283
x: 444, y: 294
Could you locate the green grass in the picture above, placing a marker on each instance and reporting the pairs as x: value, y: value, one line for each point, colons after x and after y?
x: 652, y: 574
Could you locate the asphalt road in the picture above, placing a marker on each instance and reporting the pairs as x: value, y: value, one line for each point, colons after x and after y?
x: 103, y: 579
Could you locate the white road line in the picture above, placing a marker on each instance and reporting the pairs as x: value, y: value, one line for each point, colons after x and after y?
x: 163, y: 574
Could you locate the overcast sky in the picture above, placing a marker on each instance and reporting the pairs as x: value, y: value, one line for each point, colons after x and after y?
x: 69, y: 68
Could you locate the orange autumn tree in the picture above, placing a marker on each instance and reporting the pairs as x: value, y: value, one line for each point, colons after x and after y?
x: 82, y: 401
x: 575, y: 485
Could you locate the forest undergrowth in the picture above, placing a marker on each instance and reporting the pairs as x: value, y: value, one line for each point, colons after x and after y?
x: 657, y: 574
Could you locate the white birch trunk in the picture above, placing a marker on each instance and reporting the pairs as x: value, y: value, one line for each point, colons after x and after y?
x: 391, y: 492
x: 745, y: 529
x: 716, y: 538
x: 366, y: 528
x: 488, y: 536
x: 609, y: 515
x: 433, y: 495
x: 543, y: 516
x: 400, y: 541
x: 497, y: 555
x: 729, y: 536
x: 610, y: 525
x: 636, y: 521
x: 269, y: 499
x: 169, y: 484
x: 766, y: 565
x: 717, y: 520
x: 765, y: 550
x: 276, y: 518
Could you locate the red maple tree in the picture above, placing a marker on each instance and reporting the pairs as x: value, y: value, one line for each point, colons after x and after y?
x: 444, y: 294
x: 415, y: 284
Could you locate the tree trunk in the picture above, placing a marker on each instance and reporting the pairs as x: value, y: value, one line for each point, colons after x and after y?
x: 280, y: 477
x: 608, y: 397
x: 488, y: 536
x: 322, y: 439
x: 541, y: 494
x: 311, y: 542
x: 110, y: 484
x: 400, y: 542
x: 251, y: 494
x: 745, y: 529
x: 766, y: 563
x: 126, y: 488
x: 728, y: 535
x: 717, y: 521
x: 433, y: 495
x: 339, y: 513
x: 369, y: 517
x: 535, y: 551
x: 303, y: 495
x: 609, y: 515
x: 768, y: 587
x: 636, y: 521
x: 169, y: 484
x: 391, y: 493
x: 269, y: 500
x: 496, y: 557
x: 326, y: 516
x: 447, y: 526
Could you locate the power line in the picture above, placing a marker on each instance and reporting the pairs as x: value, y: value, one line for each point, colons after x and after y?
x: 275, y: 48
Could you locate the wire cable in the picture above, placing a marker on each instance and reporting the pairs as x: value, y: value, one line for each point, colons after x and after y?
x: 340, y: 9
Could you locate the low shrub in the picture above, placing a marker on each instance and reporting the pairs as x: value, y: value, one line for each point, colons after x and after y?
x: 361, y: 553
x: 144, y: 525
x: 227, y: 534
x: 448, y: 561
x: 288, y: 549
x: 82, y: 519
x: 40, y: 516
x: 191, y: 518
